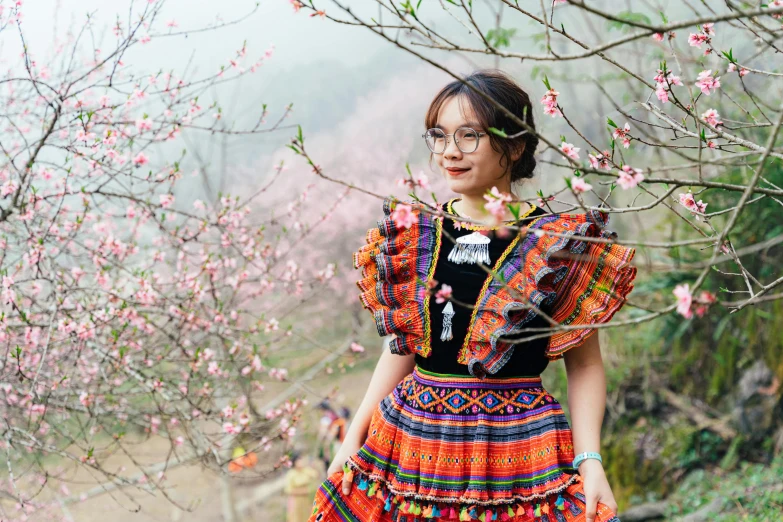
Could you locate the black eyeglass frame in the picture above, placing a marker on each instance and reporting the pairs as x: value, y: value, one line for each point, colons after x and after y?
x: 478, y: 140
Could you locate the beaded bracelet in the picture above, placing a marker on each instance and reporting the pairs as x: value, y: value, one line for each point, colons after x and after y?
x: 586, y: 455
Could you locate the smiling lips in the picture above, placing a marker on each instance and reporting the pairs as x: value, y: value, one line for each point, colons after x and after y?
x: 455, y: 171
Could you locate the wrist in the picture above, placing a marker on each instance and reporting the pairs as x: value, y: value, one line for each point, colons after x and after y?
x: 586, y: 456
x: 590, y: 467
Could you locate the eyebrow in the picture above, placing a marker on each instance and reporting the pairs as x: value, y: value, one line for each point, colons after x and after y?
x: 467, y: 124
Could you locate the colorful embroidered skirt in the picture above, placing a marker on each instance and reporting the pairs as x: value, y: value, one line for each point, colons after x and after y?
x: 452, y: 447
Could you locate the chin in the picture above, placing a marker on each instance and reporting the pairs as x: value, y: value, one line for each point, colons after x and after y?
x: 461, y: 186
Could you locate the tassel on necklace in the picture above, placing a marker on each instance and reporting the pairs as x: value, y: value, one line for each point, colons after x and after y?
x: 448, y: 313
x: 472, y: 249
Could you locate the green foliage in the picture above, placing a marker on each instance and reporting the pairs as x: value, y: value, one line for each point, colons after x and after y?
x: 500, y: 37
x: 751, y: 493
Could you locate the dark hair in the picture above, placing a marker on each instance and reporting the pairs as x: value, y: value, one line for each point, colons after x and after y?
x: 498, y: 86
x: 295, y: 455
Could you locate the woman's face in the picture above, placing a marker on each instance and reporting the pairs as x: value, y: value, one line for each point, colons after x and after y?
x: 484, y: 169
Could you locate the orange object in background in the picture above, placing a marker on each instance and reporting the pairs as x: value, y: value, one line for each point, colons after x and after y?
x: 242, y: 460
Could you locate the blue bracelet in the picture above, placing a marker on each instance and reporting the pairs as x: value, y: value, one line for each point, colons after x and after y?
x: 586, y: 455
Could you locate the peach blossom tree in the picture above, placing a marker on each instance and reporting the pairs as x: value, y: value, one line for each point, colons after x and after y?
x: 128, y: 311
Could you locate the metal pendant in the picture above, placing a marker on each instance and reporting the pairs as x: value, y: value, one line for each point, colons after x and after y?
x: 471, y: 249
x: 448, y: 313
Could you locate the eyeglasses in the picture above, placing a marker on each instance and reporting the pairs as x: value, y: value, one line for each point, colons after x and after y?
x: 467, y: 139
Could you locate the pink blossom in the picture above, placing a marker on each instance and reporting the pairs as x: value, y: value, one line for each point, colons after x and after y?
x: 689, y: 201
x: 140, y: 159
x: 662, y: 93
x: 549, y: 101
x: 733, y: 67
x: 418, y: 180
x: 600, y: 160
x: 706, y: 81
x: 623, y: 134
x: 231, y: 429
x: 776, y: 3
x: 403, y: 216
x: 663, y: 81
x: 704, y: 300
x: 496, y: 203
x: 9, y: 187
x: 443, y: 294
x: 166, y: 200
x: 356, y: 347
x: 143, y: 124
x: 696, y: 39
x: 579, y: 185
x: 629, y: 177
x: 86, y: 399
x: 667, y: 78
x: 684, y: 300
x: 82, y: 135
x: 569, y: 150
x: 280, y: 374
x: 658, y: 37
x: 77, y: 273
x: 711, y: 116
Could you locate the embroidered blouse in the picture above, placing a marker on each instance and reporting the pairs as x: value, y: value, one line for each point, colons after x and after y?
x: 466, y: 281
x: 575, y: 282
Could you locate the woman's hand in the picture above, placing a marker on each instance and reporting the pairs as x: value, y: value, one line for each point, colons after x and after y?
x: 347, y: 448
x: 596, y: 488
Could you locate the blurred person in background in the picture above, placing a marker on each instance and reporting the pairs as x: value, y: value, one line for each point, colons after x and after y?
x: 331, y: 431
x: 299, y: 485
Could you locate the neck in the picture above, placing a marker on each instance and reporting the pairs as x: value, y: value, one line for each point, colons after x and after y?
x: 473, y: 206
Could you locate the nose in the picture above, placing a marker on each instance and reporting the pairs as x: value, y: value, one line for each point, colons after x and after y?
x: 451, y: 149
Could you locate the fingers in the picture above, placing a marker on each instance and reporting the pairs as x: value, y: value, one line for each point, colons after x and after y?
x: 590, y: 508
x: 609, y: 504
x: 347, y: 479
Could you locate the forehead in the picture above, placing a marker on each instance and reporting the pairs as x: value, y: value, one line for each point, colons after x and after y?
x: 456, y: 112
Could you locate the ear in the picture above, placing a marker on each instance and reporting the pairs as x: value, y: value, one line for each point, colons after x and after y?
x: 518, y: 151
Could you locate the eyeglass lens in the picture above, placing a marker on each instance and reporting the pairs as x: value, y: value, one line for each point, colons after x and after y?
x: 467, y: 140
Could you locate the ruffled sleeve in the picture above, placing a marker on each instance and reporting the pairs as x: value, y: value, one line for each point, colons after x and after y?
x: 395, y: 264
x: 571, y: 280
x: 590, y: 280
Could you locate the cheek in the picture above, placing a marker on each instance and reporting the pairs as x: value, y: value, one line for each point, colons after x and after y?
x: 487, y: 157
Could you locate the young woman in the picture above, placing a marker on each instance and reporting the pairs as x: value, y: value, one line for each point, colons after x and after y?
x: 456, y: 424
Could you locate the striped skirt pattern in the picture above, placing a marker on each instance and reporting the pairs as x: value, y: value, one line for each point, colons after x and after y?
x: 443, y: 447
